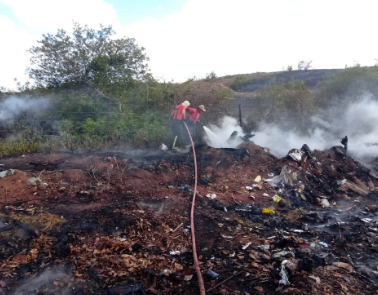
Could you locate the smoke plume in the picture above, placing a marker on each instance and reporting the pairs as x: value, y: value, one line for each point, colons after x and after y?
x: 14, y: 106
x: 358, y: 120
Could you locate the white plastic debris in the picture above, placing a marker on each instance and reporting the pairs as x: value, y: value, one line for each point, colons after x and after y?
x: 246, y: 245
x: 270, y: 174
x: 34, y: 181
x: 174, y: 252
x: 265, y: 195
x: 284, y: 279
x: 163, y: 147
x: 252, y: 197
x: 6, y: 173
x: 324, y: 203
x: 323, y: 244
x: 249, y: 188
x: 211, y: 196
x: 296, y: 155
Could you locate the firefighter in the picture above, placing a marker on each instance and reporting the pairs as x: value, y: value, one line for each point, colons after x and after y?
x: 178, y: 116
x: 193, y: 118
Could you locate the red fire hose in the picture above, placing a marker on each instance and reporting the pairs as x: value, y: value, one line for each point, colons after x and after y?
x: 195, y: 258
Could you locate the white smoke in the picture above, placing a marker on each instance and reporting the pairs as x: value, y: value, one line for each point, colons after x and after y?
x: 358, y: 120
x: 14, y: 106
x: 46, y: 280
x: 218, y: 136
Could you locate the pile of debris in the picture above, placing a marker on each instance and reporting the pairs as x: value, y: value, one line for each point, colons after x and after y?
x: 303, y: 224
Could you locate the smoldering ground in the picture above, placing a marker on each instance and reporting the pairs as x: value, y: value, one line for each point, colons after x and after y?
x: 46, y: 280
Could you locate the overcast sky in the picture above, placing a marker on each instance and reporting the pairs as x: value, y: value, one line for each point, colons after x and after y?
x: 186, y: 38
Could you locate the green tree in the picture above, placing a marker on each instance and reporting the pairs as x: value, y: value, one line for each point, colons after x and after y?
x: 239, y: 80
x: 87, y: 57
x: 210, y: 76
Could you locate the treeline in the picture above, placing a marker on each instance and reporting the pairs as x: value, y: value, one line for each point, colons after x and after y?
x: 101, y: 92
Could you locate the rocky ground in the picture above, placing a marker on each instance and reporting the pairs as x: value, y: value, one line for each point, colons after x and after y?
x: 118, y: 223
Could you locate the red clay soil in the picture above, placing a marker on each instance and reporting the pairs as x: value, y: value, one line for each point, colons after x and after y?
x: 121, y: 218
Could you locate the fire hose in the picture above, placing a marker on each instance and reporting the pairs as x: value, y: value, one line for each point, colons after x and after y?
x: 195, y: 258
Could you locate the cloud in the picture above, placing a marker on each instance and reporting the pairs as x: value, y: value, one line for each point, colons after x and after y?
x: 241, y: 36
x: 246, y: 36
x: 13, y: 55
x: 38, y: 17
x: 49, y: 15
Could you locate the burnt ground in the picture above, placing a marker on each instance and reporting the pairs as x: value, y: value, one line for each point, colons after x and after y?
x: 118, y: 223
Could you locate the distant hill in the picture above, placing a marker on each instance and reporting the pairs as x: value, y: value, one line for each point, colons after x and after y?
x: 246, y: 91
x: 256, y: 80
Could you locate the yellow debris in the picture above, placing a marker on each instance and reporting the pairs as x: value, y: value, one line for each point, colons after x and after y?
x: 268, y: 211
x: 276, y: 198
x: 257, y: 179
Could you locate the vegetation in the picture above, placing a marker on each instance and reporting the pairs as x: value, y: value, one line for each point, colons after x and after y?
x: 103, y: 94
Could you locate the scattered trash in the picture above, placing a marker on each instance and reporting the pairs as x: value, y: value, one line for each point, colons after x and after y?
x: 268, y: 211
x: 340, y: 182
x: 283, y: 254
x: 325, y: 203
x: 257, y: 179
x: 276, y: 198
x: 249, y: 188
x: 212, y: 275
x: 163, y: 147
x: 211, y: 196
x: 265, y: 195
x: 288, y: 177
x: 246, y: 245
x: 6, y: 173
x: 270, y: 174
x: 283, y: 273
x: 252, y: 197
x: 188, y: 278
x: 323, y: 244
x: 175, y: 252
x: 34, y: 181
x: 296, y: 154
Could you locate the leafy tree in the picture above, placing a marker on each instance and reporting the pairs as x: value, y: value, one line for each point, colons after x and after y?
x: 239, y: 80
x: 304, y: 65
x: 289, y: 68
x: 210, y: 76
x: 88, y: 57
x: 351, y: 84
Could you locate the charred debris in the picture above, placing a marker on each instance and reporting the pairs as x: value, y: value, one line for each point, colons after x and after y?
x: 115, y: 224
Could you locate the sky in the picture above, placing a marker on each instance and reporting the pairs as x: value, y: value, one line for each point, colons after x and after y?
x: 191, y: 38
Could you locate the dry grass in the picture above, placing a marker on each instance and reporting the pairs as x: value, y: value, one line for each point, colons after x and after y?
x: 296, y: 213
x: 44, y: 222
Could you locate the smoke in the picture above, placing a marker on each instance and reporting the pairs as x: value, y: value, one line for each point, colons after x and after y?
x: 14, y: 106
x: 358, y: 120
x: 45, y: 280
x: 217, y: 136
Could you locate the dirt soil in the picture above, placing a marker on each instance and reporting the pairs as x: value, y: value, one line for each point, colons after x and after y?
x: 119, y: 223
